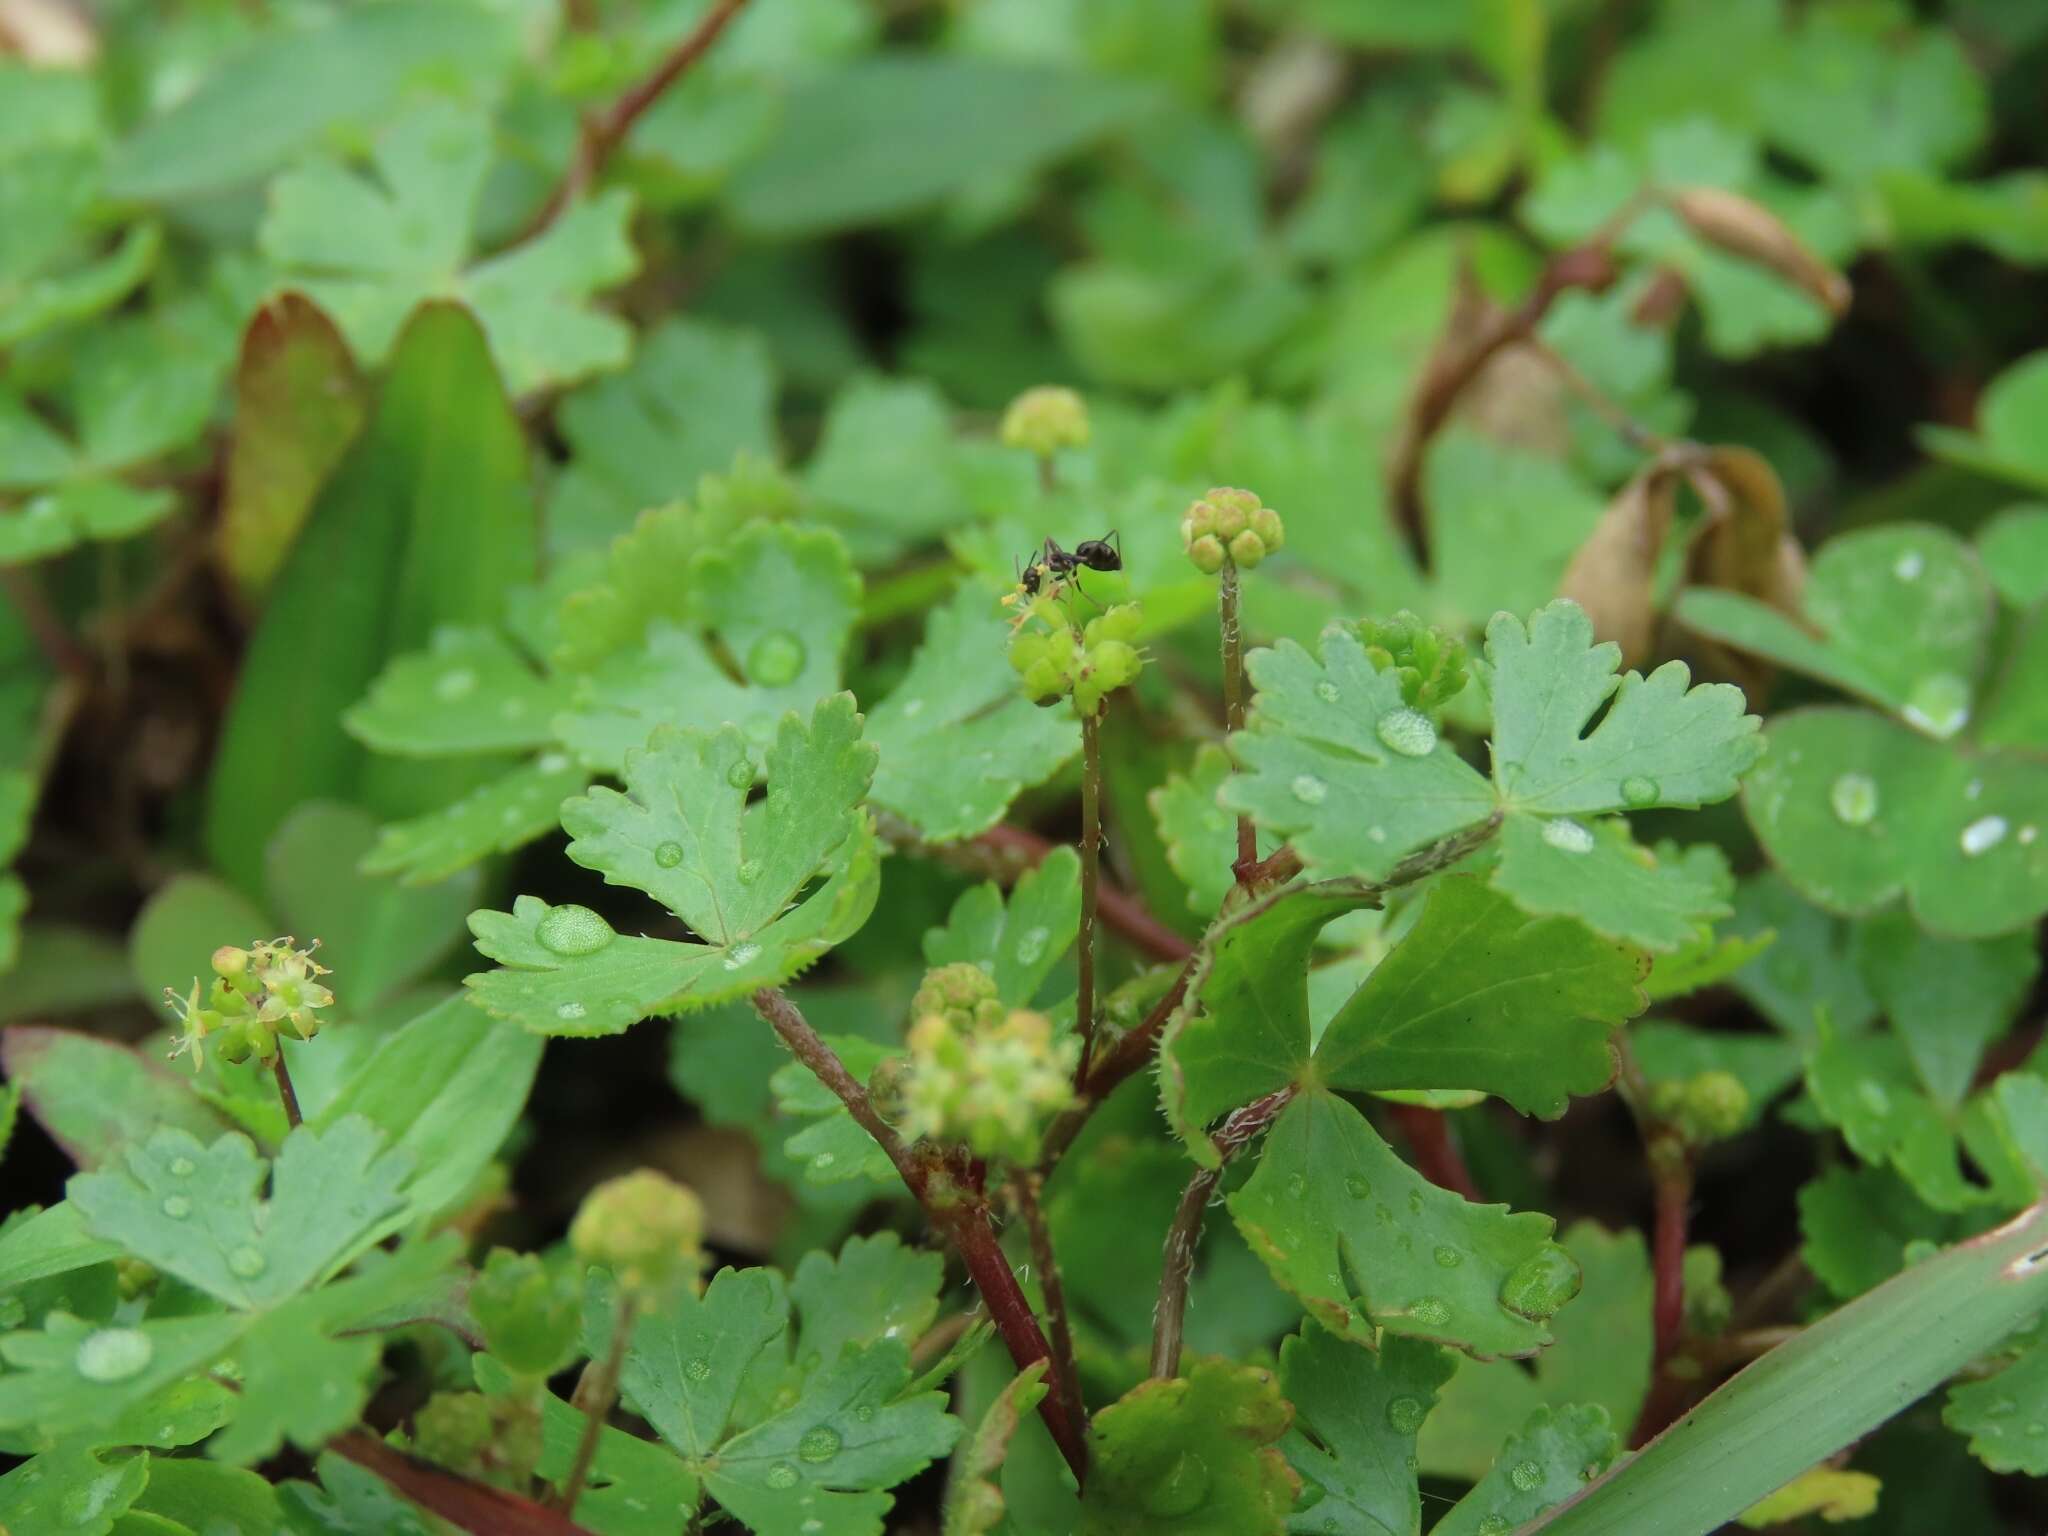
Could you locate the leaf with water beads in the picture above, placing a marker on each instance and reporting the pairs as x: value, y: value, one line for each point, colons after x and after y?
x: 1020, y: 939
x: 735, y: 872
x: 1857, y: 812
x: 1866, y: 1088
x: 1191, y: 1455
x: 71, y: 1490
x: 1555, y: 1455
x: 958, y: 742
x: 1897, y: 616
x: 1365, y: 1243
x: 1357, y: 1415
x: 1596, y: 872
x: 469, y: 691
x: 505, y: 814
x: 2006, y: 1415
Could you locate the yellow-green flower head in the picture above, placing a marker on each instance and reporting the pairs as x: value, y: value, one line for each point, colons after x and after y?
x: 1058, y: 661
x: 991, y: 1085
x: 962, y: 991
x: 1046, y: 419
x: 645, y: 1228
x: 1230, y: 524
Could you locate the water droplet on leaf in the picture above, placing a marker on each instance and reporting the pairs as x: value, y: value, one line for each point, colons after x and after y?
x: 820, y: 1444
x: 1568, y: 836
x: 1638, y: 791
x: 1448, y: 1257
x: 775, y: 659
x: 1939, y: 704
x: 748, y: 872
x: 1541, y: 1283
x: 574, y: 930
x: 1031, y: 945
x: 668, y: 855
x: 454, y: 685
x: 1359, y: 1187
x: 1854, y: 797
x: 1908, y: 566
x: 741, y: 774
x: 1405, y: 1415
x: 1874, y: 1098
x: 780, y: 1475
x: 1526, y: 1476
x: 177, y: 1207
x: 182, y: 1167
x: 697, y: 1369
x: 114, y: 1354
x: 741, y: 954
x: 1493, y: 1525
x: 1430, y: 1311
x: 569, y: 1011
x: 1407, y: 731
x: 1982, y: 835
x: 1309, y: 789
x: 1327, y: 692
x: 247, y: 1262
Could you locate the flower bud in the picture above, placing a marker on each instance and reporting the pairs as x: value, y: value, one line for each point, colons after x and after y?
x: 1247, y: 550
x: 963, y: 992
x: 1046, y: 419
x: 1716, y: 1105
x: 527, y: 1311
x: 452, y: 1429
x: 644, y: 1227
x: 230, y: 962
x: 1207, y: 553
x: 990, y: 1085
x: 1230, y: 524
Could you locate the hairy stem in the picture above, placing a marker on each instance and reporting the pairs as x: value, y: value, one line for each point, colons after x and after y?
x: 1091, y: 873
x: 596, y: 1393
x: 283, y: 1074
x: 1184, y: 1236
x: 1233, y: 708
x: 956, y: 1209
x: 1027, y: 1187
x: 603, y: 133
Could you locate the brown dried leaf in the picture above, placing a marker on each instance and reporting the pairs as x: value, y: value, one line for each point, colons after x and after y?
x: 1750, y: 231
x: 1613, y: 574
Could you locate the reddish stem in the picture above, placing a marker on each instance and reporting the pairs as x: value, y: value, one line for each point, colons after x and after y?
x: 1091, y: 873
x: 473, y: 1507
x: 1067, y: 1380
x: 1437, y: 1157
x: 1673, y: 1190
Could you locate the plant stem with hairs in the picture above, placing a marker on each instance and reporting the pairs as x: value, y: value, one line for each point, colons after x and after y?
x: 283, y: 1074
x: 1091, y: 874
x: 1027, y: 1187
x: 595, y: 1394
x: 1233, y: 708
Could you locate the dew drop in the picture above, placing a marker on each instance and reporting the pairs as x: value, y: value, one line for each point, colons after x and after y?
x: 569, y: 1011
x: 1360, y: 1188
x: 1297, y: 1186
x: 1448, y: 1257
x: 823, y: 1161
x: 1309, y: 789
x: 697, y: 1369
x: 1874, y: 1098
x: 741, y: 954
x: 741, y: 774
x: 1638, y: 791
x: 574, y: 930
x: 780, y: 1475
x: 450, y: 686
x: 668, y: 855
x: 748, y: 871
x: 775, y: 659
x: 1909, y: 566
x: 1982, y: 835
x: 553, y: 762
x: 177, y: 1207
x: 1430, y: 1311
x: 1405, y: 1415
x: 820, y: 1444
x: 1327, y: 692
x: 865, y: 1413
x: 114, y: 1354
x: 1541, y: 1283
x: 1493, y: 1525
x: 247, y: 1262
x: 1031, y: 945
x: 1854, y: 797
x: 1377, y: 833
x: 1939, y: 704
x: 1567, y: 836
x: 1407, y: 731
x: 182, y: 1167
x: 1526, y: 1476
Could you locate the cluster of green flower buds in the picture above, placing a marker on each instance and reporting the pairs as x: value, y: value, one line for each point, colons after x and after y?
x: 980, y: 1073
x: 1057, y: 661
x: 1230, y: 525
x: 645, y: 1228
x: 1431, y: 665
x: 1046, y: 419
x: 1710, y: 1106
x: 495, y: 1440
x: 255, y: 992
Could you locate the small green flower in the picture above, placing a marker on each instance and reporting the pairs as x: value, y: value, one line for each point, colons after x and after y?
x: 645, y: 1228
x: 1233, y: 525
x: 255, y: 991
x: 1045, y: 420
x: 1058, y: 661
x: 1710, y: 1106
x: 978, y: 1073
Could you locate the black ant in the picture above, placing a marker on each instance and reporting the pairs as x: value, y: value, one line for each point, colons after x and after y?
x: 1061, y: 566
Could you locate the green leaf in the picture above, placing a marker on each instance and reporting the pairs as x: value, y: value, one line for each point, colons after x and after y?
x: 2013, y: 548
x: 2007, y: 444
x: 1947, y: 999
x: 1765, y: 1064
x: 875, y: 1289
x: 350, y: 1501
x: 1657, y: 899
x: 70, y: 514
x: 1552, y: 1458
x: 52, y: 1399
x: 685, y: 834
x: 958, y: 739
x: 1199, y: 834
x: 1866, y: 1087
x: 833, y: 1149
x: 93, y: 1097
x: 71, y: 1490
x: 1504, y: 523
x: 446, y: 1088
x: 887, y: 464
x: 778, y: 601
x: 1366, y: 1243
x: 193, y: 1491
x: 1873, y: 101
x: 1859, y: 1223
x: 926, y: 126
x: 330, y: 1193
x: 1659, y: 743
x: 1018, y: 941
x: 1356, y: 1416
x: 1828, y: 1387
x: 1999, y: 1413
x: 299, y: 403
x: 697, y: 396
x: 184, y: 921
x: 1601, y: 1357
x: 686, y: 1363
x: 1857, y: 812
x: 1244, y: 1030
x: 506, y: 813
x: 1193, y: 1454
x: 469, y: 691
x: 1477, y: 995
x: 427, y: 522
x: 974, y: 1495
x: 49, y: 1242
x: 375, y: 934
x: 1896, y: 615
x: 368, y: 252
